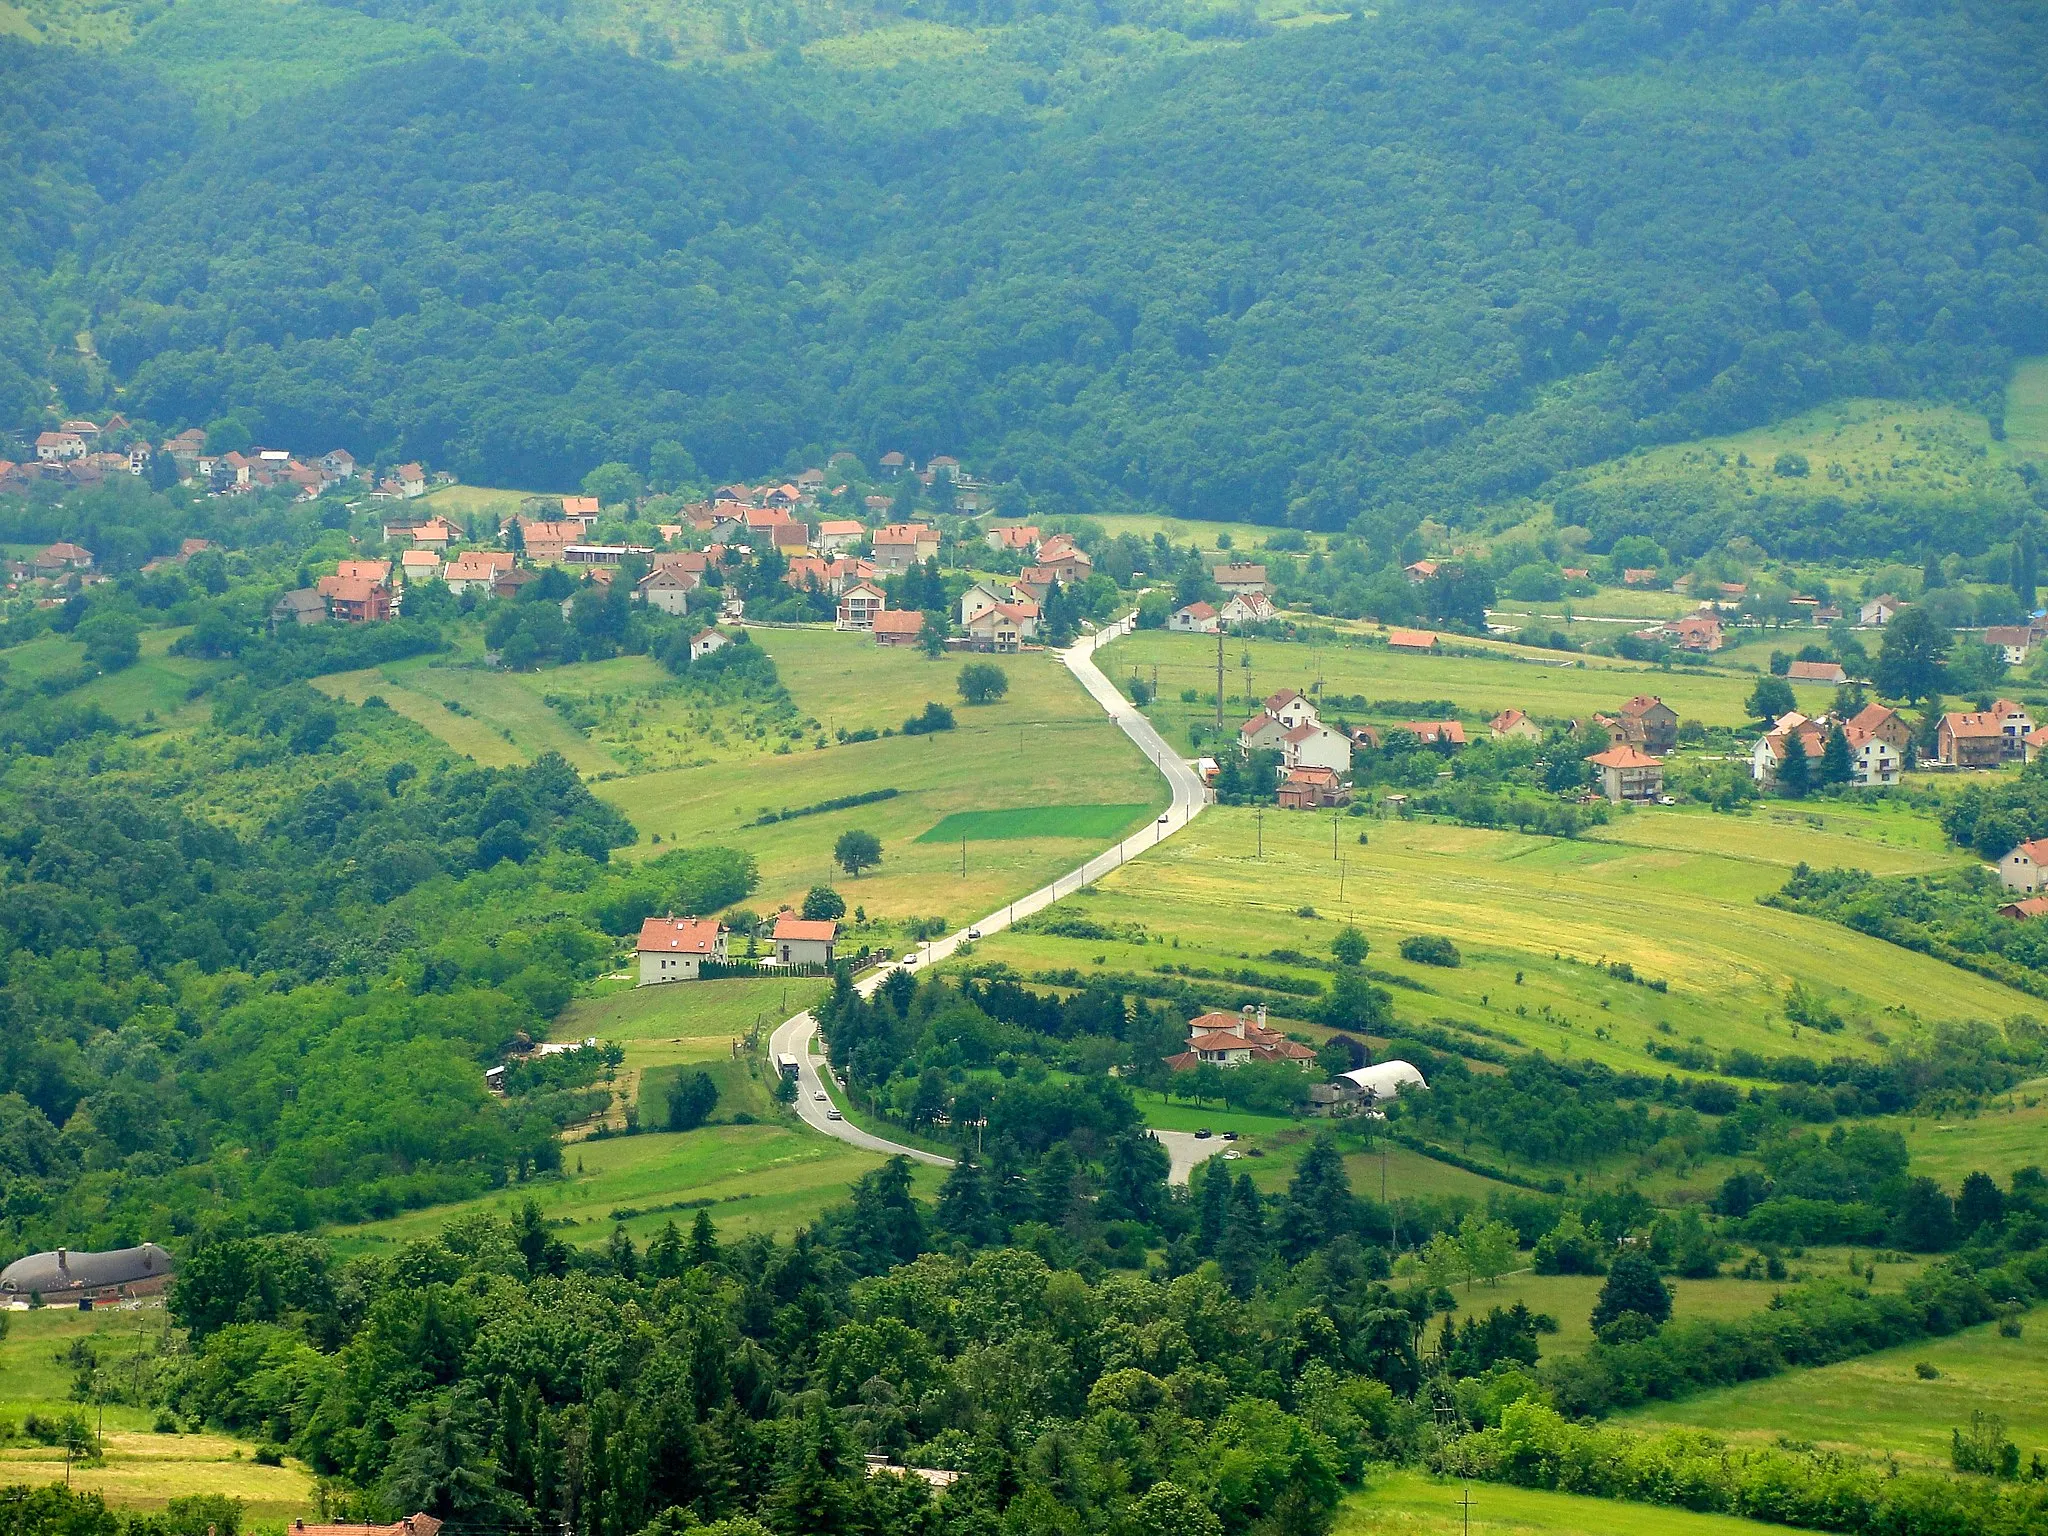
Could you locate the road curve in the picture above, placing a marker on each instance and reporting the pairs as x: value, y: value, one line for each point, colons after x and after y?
x: 796, y: 1037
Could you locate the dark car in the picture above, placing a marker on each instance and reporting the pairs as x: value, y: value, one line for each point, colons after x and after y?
x: 1203, y: 1134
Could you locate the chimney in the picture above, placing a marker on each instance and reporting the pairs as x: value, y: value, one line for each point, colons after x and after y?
x: 1262, y: 1015
x: 63, y: 1262
x: 1244, y: 1022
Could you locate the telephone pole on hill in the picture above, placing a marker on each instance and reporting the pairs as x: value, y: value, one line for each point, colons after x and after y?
x: 1219, y: 679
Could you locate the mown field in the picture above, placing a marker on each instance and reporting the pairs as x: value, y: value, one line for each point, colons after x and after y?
x: 1537, y: 921
x: 1880, y: 1405
x: 1415, y: 1504
x: 2009, y: 1133
x: 1508, y: 678
x: 142, y: 1468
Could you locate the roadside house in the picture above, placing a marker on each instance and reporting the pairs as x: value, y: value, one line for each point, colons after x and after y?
x: 673, y: 948
x: 1648, y: 722
x: 801, y: 941
x: 1194, y: 619
x: 1628, y: 774
x: 859, y: 606
x: 1311, y: 788
x: 2025, y: 868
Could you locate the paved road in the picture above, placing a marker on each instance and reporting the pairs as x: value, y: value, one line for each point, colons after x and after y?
x: 797, y: 1036
x: 1185, y: 1150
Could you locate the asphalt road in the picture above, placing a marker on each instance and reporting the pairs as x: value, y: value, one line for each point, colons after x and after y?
x: 797, y: 1037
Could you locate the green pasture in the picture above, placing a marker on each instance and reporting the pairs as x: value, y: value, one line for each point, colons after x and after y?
x: 1601, y: 611
x: 2010, y: 1132
x: 462, y: 503
x: 503, y: 718
x: 1879, y: 1405
x: 760, y: 1178
x: 1480, y: 686
x: 142, y: 1469
x: 1538, y: 920
x: 2026, y: 406
x: 1885, y: 837
x: 1105, y: 823
x: 1415, y: 1504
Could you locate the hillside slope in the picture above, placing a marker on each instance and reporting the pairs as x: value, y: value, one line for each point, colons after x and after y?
x: 1399, y: 264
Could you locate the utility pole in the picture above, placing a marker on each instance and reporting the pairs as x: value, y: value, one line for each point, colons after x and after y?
x: 1334, y: 855
x: 1219, y: 679
x: 1466, y: 1504
x: 1260, y: 817
x: 963, y: 855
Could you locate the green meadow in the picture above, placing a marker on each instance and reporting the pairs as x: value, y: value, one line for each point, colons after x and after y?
x: 1538, y: 920
x: 1415, y: 1504
x: 1880, y: 1405
x: 40, y: 1354
x: 2010, y: 1132
x: 1103, y: 822
x: 1506, y: 677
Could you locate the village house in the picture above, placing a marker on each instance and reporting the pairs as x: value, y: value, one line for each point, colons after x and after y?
x: 1194, y: 619
x: 1984, y: 739
x: 892, y: 464
x: 977, y: 600
x: 1314, y: 745
x: 412, y: 480
x: 304, y: 606
x: 1817, y: 672
x: 2025, y: 868
x: 419, y: 565
x: 1435, y: 733
x: 2011, y: 641
x: 1648, y: 722
x: 810, y: 483
x: 1512, y: 724
x: 546, y: 543
x: 1880, y: 720
x: 1232, y: 1039
x: 899, y: 546
x: 509, y: 584
x: 943, y: 466
x: 1020, y: 540
x: 1419, y: 571
x: 353, y: 600
x: 1879, y: 611
x: 62, y: 556
x: 1247, y: 608
x: 58, y: 447
x: 848, y: 571
x: 1767, y: 754
x: 580, y: 509
x: 859, y: 605
x: 807, y: 571
x: 674, y: 948
x: 1628, y: 774
x: 1282, y: 713
x: 713, y: 639
x: 1695, y: 632
x: 1239, y: 577
x: 803, y: 941
x: 666, y: 588
x: 1262, y: 733
x: 336, y: 464
x: 898, y: 626
x: 1415, y: 641
x: 837, y: 535
x: 436, y: 533
x: 1290, y: 708
x: 1639, y: 576
x: 2023, y: 911
x: 1064, y: 560
x: 1873, y: 761
x: 1004, y: 627
x: 1312, y: 789
x: 476, y: 570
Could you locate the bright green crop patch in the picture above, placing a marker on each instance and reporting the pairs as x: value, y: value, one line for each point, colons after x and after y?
x: 1097, y: 821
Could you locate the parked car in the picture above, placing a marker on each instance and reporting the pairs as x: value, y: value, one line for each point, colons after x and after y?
x: 1203, y: 1134
x: 974, y: 933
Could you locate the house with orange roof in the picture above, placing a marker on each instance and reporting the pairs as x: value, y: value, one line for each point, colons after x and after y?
x: 353, y: 600
x: 899, y: 546
x: 548, y: 543
x: 1984, y: 738
x: 837, y: 535
x: 675, y: 948
x: 859, y: 606
x: 580, y: 509
x: 894, y: 626
x: 1196, y: 618
x: 1020, y: 540
x: 1312, y: 789
x: 1512, y: 724
x: 803, y: 941
x: 1628, y: 774
x: 1232, y: 1039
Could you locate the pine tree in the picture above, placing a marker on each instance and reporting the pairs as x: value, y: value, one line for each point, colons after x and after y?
x: 1837, y: 766
x: 1215, y: 1210
x: 963, y: 1210
x: 703, y: 1241
x: 1794, y: 773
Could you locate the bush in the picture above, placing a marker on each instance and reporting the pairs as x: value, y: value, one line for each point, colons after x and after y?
x: 983, y: 682
x: 936, y: 717
x: 691, y: 1098
x: 270, y: 1454
x: 1430, y: 949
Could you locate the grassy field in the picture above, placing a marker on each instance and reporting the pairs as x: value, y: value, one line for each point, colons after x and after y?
x: 1672, y: 893
x: 2011, y: 1133
x: 1104, y: 823
x: 463, y: 504
x: 503, y: 716
x: 1415, y: 1504
x: 2026, y: 407
x: 1480, y: 686
x: 757, y: 1178
x: 141, y: 1468
x: 1880, y: 1405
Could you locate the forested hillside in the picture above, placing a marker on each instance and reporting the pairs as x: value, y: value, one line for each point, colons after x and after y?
x: 1392, y: 265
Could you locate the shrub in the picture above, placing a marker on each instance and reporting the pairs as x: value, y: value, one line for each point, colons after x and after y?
x: 1430, y: 949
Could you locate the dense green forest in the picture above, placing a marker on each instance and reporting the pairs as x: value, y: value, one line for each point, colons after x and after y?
x: 1393, y: 265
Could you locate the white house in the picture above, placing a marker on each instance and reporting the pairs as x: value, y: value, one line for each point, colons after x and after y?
x: 1879, y: 611
x: 668, y: 588
x: 1291, y: 709
x: 1261, y: 733
x: 1195, y: 619
x: 711, y: 640
x: 976, y: 601
x: 1314, y: 745
x: 674, y: 948
x: 2026, y: 867
x: 1247, y: 608
x: 57, y: 447
x: 837, y: 535
x: 801, y: 941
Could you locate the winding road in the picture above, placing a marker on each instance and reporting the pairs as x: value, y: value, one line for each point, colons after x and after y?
x: 798, y: 1036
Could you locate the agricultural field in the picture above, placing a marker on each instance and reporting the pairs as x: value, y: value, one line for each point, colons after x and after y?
x: 2011, y: 1132
x: 2026, y: 407
x: 1881, y: 1404
x: 1672, y: 893
x: 752, y: 1178
x: 1415, y: 1504
x: 466, y: 504
x: 1533, y: 681
x: 39, y: 1362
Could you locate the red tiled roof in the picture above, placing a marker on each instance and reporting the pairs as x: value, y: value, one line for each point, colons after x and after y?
x: 816, y: 932
x: 680, y: 935
x: 1411, y: 639
x: 1625, y: 756
x: 899, y: 621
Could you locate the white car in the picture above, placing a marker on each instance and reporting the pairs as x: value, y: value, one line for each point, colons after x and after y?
x: 820, y: 1095
x: 1162, y: 819
x: 833, y: 1114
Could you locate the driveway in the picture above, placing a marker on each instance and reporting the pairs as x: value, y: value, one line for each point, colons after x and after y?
x: 798, y: 1036
x: 1186, y: 1151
